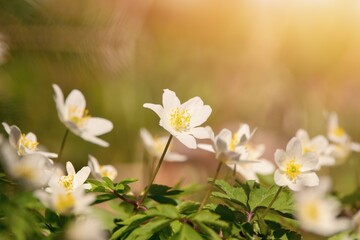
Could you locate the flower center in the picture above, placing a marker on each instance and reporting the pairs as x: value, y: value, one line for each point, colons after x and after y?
x: 311, y: 211
x: 307, y: 149
x: 78, y: 116
x: 292, y: 170
x: 64, y: 202
x: 106, y: 172
x: 67, y: 182
x: 233, y: 142
x: 180, y: 119
x: 28, y: 143
x: 339, y: 131
x: 25, y: 172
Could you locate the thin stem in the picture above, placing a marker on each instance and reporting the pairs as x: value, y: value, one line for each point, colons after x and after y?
x: 132, y: 202
x: 211, y: 186
x: 63, y: 144
x: 156, y: 170
x: 272, y: 202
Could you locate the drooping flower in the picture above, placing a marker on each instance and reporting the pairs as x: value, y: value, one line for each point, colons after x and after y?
x: 99, y: 171
x: 227, y: 147
x: 318, y: 145
x: 86, y: 228
x: 65, y: 202
x: 182, y: 120
x: 317, y: 212
x: 73, y: 113
x: 24, y: 143
x: 32, y: 170
x: 71, y: 181
x: 155, y: 147
x: 295, y: 168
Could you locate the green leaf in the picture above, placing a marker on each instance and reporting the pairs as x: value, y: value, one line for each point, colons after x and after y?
x: 235, y: 194
x: 208, y: 231
x: 103, y: 198
x: 168, y: 211
x: 149, y: 229
x: 188, y: 207
x: 208, y: 218
x: 126, y: 181
x: 186, y: 233
x: 164, y: 200
x: 108, y: 182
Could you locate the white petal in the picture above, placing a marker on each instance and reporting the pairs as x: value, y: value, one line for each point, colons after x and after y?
x: 47, y: 154
x: 194, y: 102
x: 31, y: 136
x: 280, y: 159
x: 200, y: 133
x: 76, y: 99
x: 6, y: 127
x: 280, y: 178
x: 14, y: 136
x: 158, y: 109
x: 188, y: 140
x: 206, y: 147
x: 70, y: 168
x: 309, y: 161
x: 170, y: 100
x: 146, y: 137
x: 303, y: 136
x: 309, y: 179
x: 294, y: 149
x: 355, y: 147
x: 175, y: 157
x: 247, y: 172
x: 59, y: 101
x: 263, y: 167
x: 98, y: 126
x: 325, y: 161
x: 81, y: 176
x: 333, y: 120
x: 93, y: 139
x: 243, y: 133
x: 199, y: 115
x: 320, y: 143
x: 93, y: 164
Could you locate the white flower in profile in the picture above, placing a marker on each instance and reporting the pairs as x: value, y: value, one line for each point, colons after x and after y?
x: 86, y: 228
x: 317, y: 212
x: 65, y: 202
x: 32, y: 171
x: 73, y: 113
x: 228, y: 147
x: 338, y: 135
x: 318, y: 145
x: 24, y: 143
x: 295, y: 169
x: 156, y: 145
x: 255, y: 164
x: 99, y: 171
x: 72, y: 181
x: 182, y: 120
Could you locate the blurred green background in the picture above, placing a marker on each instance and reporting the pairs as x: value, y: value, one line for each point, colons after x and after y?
x: 277, y: 65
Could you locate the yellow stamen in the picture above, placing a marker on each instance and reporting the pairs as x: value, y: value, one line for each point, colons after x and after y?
x: 180, y: 119
x: 233, y: 142
x: 311, y: 211
x: 64, y: 202
x: 292, y: 170
x: 308, y: 149
x: 106, y: 172
x: 28, y: 143
x: 339, y: 131
x: 78, y: 116
x: 67, y: 182
x: 25, y: 172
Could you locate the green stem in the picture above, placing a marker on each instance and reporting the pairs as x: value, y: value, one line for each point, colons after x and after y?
x: 272, y: 202
x: 156, y: 171
x: 211, y: 186
x: 62, y: 145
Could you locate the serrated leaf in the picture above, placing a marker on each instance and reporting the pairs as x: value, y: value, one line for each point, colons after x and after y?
x: 126, y: 181
x: 149, y: 229
x: 208, y: 231
x: 163, y: 199
x: 188, y: 207
x: 208, y: 218
x: 108, y: 182
x: 168, y: 211
x: 186, y: 233
x: 235, y: 194
x: 119, y: 187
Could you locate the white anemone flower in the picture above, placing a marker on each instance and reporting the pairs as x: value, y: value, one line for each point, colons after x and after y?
x: 86, y: 228
x: 256, y: 165
x: 156, y: 145
x: 24, y: 143
x: 318, y: 145
x: 317, y: 212
x: 99, y: 171
x: 65, y: 202
x: 71, y: 181
x: 182, y: 120
x: 295, y: 169
x: 227, y: 147
x: 33, y: 170
x: 73, y: 113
